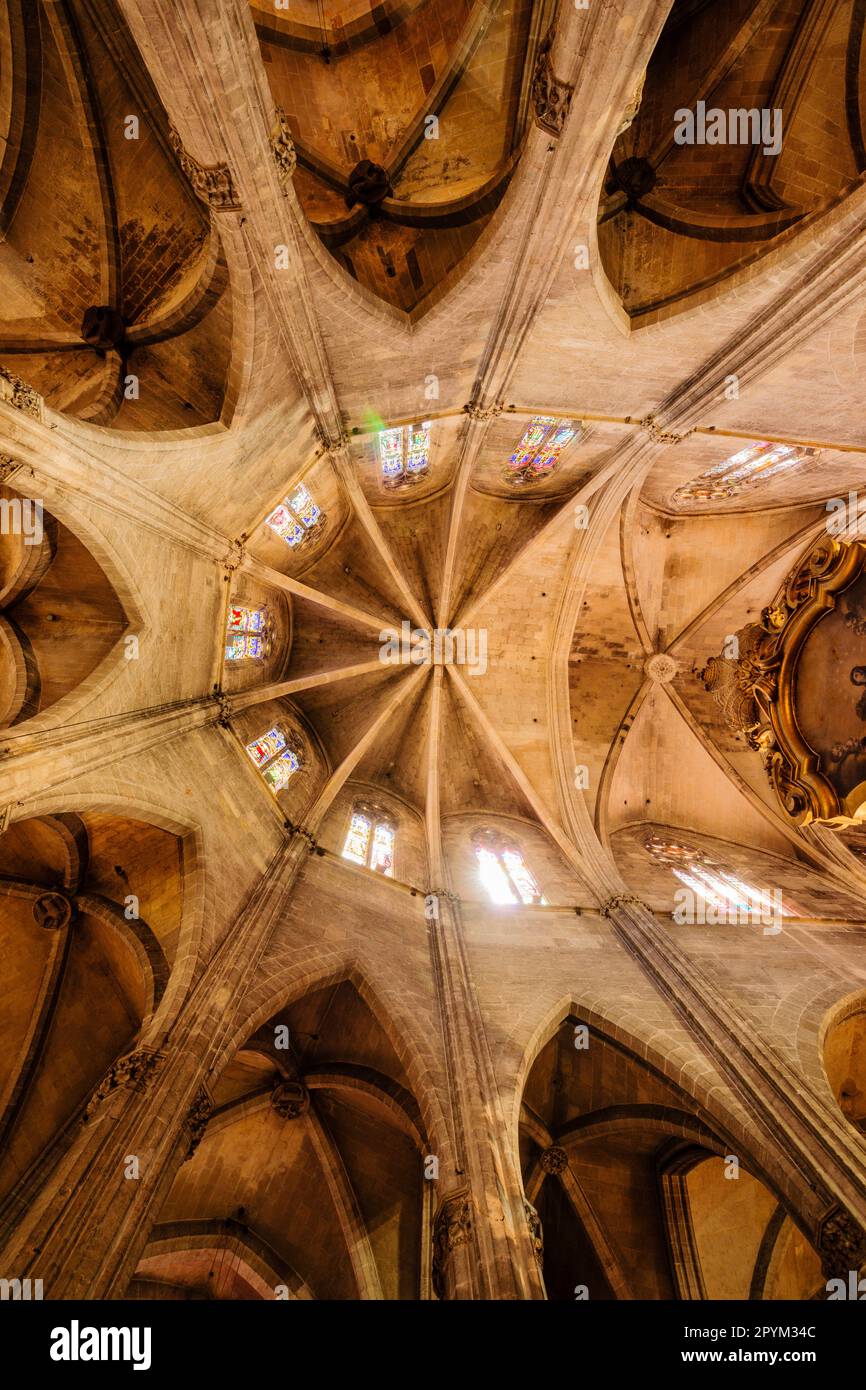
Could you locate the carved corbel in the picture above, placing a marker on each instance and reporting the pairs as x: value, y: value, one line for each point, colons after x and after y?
x: 213, y: 183
x: 551, y: 97
x: 134, y: 1072
x: 196, y: 1120
x: 17, y: 393
x: 283, y: 146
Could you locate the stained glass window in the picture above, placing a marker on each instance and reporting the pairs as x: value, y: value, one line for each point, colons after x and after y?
x: 742, y: 470
x: 382, y: 857
x: 504, y: 873
x: 245, y: 634
x: 357, y: 839
x: 711, y: 882
x: 268, y: 746
x: 276, y: 756
x: 538, y: 449
x: 296, y: 517
x: 405, y: 453
x: 493, y: 877
x: 370, y: 840
x: 281, y: 769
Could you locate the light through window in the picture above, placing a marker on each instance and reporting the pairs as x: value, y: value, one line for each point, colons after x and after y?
x: 505, y: 875
x: 538, y: 449
x: 712, y: 883
x: 404, y: 453
x: 370, y: 840
x: 296, y: 518
x: 276, y: 756
x: 748, y: 467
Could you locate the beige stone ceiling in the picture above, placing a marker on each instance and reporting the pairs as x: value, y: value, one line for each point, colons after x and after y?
x: 264, y: 373
x: 570, y: 615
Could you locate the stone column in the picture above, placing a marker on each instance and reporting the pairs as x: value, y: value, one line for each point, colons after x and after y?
x: 484, y: 1240
x: 85, y: 1230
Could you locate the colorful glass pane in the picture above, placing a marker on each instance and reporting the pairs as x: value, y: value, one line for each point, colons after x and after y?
x: 357, y: 839
x: 743, y: 469
x: 266, y: 747
x: 382, y: 858
x: 238, y: 619
x: 303, y: 506
x: 418, y: 438
x: 279, y: 772
x: 539, y: 447
x: 391, y: 449
x: 241, y: 645
x: 281, y: 520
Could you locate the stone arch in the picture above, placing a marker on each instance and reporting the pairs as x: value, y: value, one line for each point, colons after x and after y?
x: 319, y: 973
x: 318, y: 1091
x: 179, y: 1254
x: 842, y: 1048
x: 49, y: 590
x: 170, y: 982
x: 638, y: 1120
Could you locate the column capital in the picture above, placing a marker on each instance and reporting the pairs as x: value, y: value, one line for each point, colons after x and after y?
x: 650, y: 425
x: 452, y: 1226
x: 610, y: 908
x: 134, y: 1072
x: 212, y: 183
x: 483, y: 413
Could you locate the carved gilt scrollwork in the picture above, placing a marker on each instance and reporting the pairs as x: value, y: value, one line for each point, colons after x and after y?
x: 755, y: 686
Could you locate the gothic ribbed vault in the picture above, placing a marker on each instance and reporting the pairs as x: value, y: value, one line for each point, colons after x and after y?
x: 345, y: 1083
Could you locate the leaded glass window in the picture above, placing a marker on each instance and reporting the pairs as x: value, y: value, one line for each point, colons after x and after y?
x: 745, y: 469
x: 504, y: 873
x: 713, y: 883
x: 404, y: 452
x: 297, y: 517
x: 538, y: 449
x: 277, y: 756
x: 245, y: 634
x: 370, y: 839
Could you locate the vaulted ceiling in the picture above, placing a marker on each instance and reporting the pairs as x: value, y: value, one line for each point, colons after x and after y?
x: 212, y: 316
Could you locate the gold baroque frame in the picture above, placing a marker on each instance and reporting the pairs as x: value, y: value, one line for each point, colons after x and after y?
x: 756, y: 688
